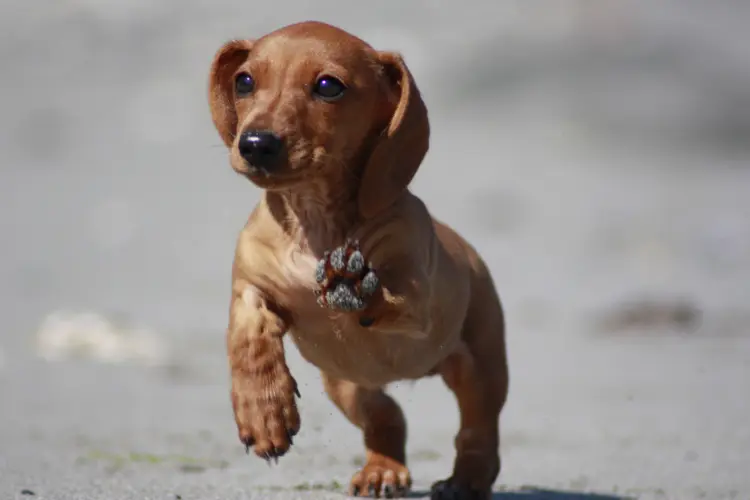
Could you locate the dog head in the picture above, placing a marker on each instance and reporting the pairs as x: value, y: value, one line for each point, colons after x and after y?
x: 310, y: 102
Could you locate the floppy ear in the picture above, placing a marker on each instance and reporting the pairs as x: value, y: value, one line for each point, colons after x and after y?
x: 402, y: 146
x: 221, y: 87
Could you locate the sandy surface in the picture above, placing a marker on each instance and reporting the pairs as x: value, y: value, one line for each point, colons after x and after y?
x: 596, y: 155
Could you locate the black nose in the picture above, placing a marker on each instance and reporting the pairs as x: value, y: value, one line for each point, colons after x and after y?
x: 260, y: 148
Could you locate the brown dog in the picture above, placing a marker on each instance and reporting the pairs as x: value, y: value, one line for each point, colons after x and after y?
x: 340, y: 254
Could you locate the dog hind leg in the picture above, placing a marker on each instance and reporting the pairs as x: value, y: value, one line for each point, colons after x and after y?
x: 477, y: 373
x: 384, y: 427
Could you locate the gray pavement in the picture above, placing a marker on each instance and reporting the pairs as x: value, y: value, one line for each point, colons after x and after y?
x: 595, y: 153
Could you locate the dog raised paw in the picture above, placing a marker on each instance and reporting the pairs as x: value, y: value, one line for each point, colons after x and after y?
x: 346, y: 281
x: 266, y: 415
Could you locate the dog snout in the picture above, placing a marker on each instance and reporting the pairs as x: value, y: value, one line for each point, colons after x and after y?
x: 260, y: 148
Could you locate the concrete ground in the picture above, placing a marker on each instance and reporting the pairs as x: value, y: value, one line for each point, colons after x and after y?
x: 595, y: 153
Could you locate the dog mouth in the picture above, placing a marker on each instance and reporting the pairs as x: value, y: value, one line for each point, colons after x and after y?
x: 270, y: 178
x: 255, y: 171
x: 291, y: 165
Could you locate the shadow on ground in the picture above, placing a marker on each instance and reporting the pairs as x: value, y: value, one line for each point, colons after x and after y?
x: 541, y: 494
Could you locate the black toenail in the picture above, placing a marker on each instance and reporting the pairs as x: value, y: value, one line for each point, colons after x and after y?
x: 366, y: 321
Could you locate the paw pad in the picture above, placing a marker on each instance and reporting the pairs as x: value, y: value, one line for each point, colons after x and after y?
x: 345, y: 280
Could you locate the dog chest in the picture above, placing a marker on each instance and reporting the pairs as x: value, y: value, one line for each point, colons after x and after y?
x: 338, y: 346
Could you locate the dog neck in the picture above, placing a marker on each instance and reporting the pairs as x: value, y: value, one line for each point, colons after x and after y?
x: 316, y: 216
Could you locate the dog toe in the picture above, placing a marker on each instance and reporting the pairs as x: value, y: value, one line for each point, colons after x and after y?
x: 356, y: 263
x: 369, y: 283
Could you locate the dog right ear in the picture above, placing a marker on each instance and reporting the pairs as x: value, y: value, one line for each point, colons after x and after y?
x: 403, y: 145
x: 221, y: 87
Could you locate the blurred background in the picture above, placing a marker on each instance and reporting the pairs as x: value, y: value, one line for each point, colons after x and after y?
x: 595, y: 152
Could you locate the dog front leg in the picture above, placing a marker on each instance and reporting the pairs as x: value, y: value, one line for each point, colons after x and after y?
x: 263, y: 389
x: 402, y: 304
x: 393, y: 297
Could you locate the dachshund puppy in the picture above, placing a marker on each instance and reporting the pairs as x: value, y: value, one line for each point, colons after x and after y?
x: 343, y: 257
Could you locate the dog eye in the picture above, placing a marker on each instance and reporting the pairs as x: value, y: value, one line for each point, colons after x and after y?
x: 328, y: 88
x: 244, y: 84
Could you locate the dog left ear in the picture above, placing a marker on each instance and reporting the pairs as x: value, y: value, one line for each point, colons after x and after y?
x: 397, y: 156
x: 221, y: 87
